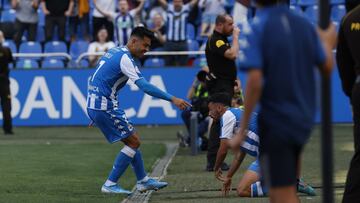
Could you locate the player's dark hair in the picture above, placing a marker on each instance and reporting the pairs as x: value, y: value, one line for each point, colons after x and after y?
x: 221, y: 18
x: 222, y: 98
x: 142, y: 32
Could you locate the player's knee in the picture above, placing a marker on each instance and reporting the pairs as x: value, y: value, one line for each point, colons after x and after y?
x: 135, y: 144
x: 242, y: 191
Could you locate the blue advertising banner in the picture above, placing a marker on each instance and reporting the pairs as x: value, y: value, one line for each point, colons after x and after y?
x: 58, y: 97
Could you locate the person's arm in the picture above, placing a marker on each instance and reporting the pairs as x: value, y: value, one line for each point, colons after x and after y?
x: 35, y: 4
x: 345, y: 64
x: 70, y: 8
x: 163, y: 3
x: 103, y: 12
x: 238, y: 159
x: 220, y: 157
x: 43, y: 6
x: 234, y: 50
x: 139, y: 7
x: 150, y: 89
x: 14, y: 4
x: 328, y: 39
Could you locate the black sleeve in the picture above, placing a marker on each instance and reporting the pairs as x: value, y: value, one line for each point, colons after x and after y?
x: 219, y: 46
x: 345, y: 63
x: 10, y: 56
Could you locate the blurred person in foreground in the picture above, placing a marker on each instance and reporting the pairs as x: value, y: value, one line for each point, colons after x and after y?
x: 5, y: 96
x: 348, y: 60
x: 283, y: 50
x: 114, y: 69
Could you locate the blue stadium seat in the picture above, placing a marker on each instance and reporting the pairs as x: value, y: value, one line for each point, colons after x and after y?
x: 333, y: 2
x: 296, y: 9
x: 11, y: 45
x: 52, y: 63
x: 337, y: 12
x: 77, y: 48
x: 190, y: 31
x: 8, y: 15
x: 193, y: 45
x: 55, y: 46
x: 27, y: 63
x: 6, y: 4
x: 84, y: 63
x: 307, y: 2
x: 30, y: 47
x: 293, y: 2
x: 154, y: 63
x: 312, y: 14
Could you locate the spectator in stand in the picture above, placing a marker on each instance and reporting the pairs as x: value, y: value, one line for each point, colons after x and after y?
x: 26, y: 18
x: 55, y: 14
x: 157, y: 26
x: 99, y: 20
x: 212, y: 8
x: 124, y: 21
x: 102, y: 44
x: 84, y: 16
x: 240, y: 12
x: 153, y: 7
x: 176, y: 36
x: 79, y: 18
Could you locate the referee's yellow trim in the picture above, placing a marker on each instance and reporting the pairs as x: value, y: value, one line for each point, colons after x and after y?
x: 219, y: 43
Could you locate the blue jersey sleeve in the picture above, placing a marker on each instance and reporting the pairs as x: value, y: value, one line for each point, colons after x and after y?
x: 252, y: 54
x: 150, y: 89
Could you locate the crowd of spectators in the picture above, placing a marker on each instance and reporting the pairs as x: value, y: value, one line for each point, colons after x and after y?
x: 179, y: 25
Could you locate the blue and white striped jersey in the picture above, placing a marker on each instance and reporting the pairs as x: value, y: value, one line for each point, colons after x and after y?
x: 176, y: 23
x: 123, y: 25
x: 114, y: 69
x: 230, y: 123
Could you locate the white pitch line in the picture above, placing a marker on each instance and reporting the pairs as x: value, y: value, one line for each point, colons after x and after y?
x: 160, y: 165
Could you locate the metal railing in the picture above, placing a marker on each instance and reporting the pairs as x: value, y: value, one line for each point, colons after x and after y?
x: 150, y: 53
x: 33, y: 55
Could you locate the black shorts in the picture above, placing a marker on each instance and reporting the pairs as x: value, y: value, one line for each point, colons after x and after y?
x: 278, y: 159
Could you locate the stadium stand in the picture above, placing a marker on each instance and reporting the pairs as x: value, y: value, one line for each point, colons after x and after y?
x: 52, y: 63
x: 154, y: 62
x: 30, y: 47
x: 27, y: 63
x: 8, y: 15
x: 55, y: 47
x: 11, y: 45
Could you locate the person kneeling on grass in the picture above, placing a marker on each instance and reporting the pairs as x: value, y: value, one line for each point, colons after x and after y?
x: 114, y: 69
x: 251, y: 185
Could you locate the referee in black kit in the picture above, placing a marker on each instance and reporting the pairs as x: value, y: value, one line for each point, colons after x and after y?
x: 220, y: 58
x: 348, y: 60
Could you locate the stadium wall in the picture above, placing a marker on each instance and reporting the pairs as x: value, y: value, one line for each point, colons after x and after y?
x: 58, y: 97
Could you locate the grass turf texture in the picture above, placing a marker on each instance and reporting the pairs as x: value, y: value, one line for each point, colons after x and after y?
x: 70, y: 164
x: 63, y: 164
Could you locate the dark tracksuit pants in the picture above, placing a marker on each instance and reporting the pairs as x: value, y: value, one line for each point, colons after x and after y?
x: 5, y: 104
x: 352, y: 187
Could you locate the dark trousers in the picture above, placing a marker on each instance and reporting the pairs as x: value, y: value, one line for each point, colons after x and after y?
x: 103, y: 22
x: 50, y: 23
x: 75, y: 23
x: 6, y: 104
x: 21, y: 28
x: 352, y: 187
x: 220, y: 86
x: 176, y: 60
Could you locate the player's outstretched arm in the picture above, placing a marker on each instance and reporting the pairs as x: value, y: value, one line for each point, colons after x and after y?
x: 156, y: 92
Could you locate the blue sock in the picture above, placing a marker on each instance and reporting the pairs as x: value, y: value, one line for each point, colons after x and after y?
x: 121, y: 163
x: 257, y: 190
x: 138, y: 166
